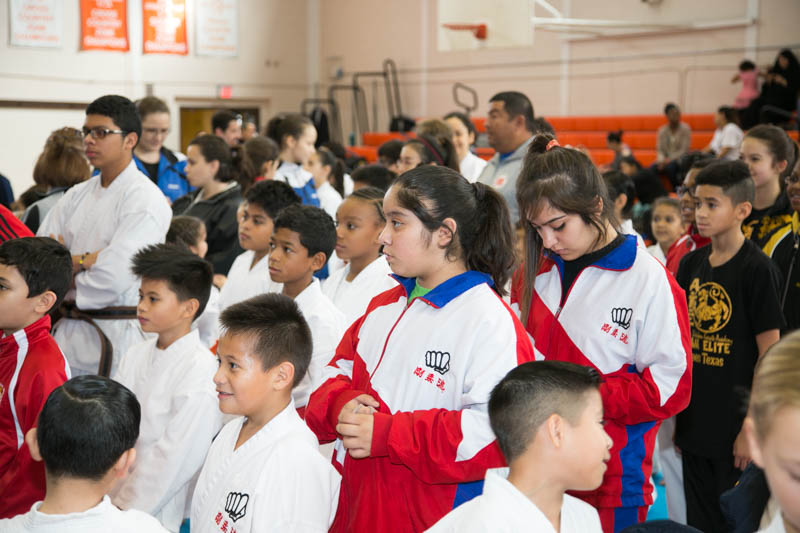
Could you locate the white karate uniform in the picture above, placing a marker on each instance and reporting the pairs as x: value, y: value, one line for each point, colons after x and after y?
x: 275, y: 481
x: 101, y: 518
x: 471, y: 167
x: 656, y: 251
x: 776, y: 525
x: 627, y: 228
x: 207, y: 324
x: 502, y: 508
x: 352, y: 297
x: 180, y: 417
x: 245, y: 282
x: 327, y: 326
x: 118, y: 220
x: 329, y: 199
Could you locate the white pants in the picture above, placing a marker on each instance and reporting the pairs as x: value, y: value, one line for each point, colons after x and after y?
x: 672, y: 468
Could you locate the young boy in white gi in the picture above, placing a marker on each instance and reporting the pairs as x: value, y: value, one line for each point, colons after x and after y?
x: 548, y: 419
x: 172, y: 376
x: 302, y: 242
x: 103, y: 222
x: 264, y: 471
x: 85, y: 436
x: 249, y: 274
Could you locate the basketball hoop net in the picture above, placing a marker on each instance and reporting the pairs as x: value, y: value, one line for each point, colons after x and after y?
x: 478, y: 30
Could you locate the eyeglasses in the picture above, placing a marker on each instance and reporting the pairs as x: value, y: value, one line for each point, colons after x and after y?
x: 99, y: 132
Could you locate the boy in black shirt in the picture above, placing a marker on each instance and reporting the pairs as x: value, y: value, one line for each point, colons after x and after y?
x: 732, y: 289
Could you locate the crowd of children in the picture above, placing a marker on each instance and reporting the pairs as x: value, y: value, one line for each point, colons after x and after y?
x: 432, y: 342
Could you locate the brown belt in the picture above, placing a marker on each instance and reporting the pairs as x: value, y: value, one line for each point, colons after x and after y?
x: 71, y: 311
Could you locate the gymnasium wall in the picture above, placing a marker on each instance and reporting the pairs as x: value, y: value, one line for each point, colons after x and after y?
x: 561, y: 75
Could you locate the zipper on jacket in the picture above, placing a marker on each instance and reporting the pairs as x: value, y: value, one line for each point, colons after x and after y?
x: 386, y: 343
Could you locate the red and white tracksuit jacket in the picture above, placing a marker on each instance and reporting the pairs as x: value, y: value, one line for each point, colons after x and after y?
x: 431, y: 364
x: 625, y: 316
x: 31, y: 366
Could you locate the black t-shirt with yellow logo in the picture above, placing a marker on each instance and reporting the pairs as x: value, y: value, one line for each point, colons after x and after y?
x: 762, y: 223
x: 728, y: 306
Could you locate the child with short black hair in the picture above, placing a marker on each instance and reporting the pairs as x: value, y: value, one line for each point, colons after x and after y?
x: 249, y: 274
x: 35, y: 274
x: 548, y: 419
x: 264, y: 470
x: 732, y: 292
x: 172, y: 377
x: 302, y: 242
x: 85, y: 438
x: 389, y: 154
x: 189, y: 233
x: 377, y: 176
x: 359, y: 222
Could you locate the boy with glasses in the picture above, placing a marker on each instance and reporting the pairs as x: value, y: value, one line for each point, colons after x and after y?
x: 103, y: 222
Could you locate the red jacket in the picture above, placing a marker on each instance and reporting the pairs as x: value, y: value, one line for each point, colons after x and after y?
x: 688, y: 242
x: 431, y: 365
x: 11, y: 227
x: 31, y: 366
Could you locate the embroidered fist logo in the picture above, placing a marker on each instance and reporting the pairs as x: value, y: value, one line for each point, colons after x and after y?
x: 439, y: 361
x: 621, y: 316
x: 236, y: 505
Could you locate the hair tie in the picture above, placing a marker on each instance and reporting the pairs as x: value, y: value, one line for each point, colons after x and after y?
x: 479, y: 191
x: 432, y: 149
x: 551, y: 144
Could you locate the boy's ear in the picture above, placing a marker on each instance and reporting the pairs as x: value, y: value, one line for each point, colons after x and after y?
x: 214, y: 166
x: 45, y: 302
x: 124, y: 463
x: 554, y: 427
x: 318, y: 260
x: 189, y: 307
x: 33, y: 445
x: 283, y: 376
x: 743, y: 209
x: 780, y: 166
x: 130, y: 141
x: 446, y: 234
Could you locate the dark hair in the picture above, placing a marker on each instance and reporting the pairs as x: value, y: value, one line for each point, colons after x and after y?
x: 618, y: 183
x: 85, y: 426
x: 149, y: 105
x: 375, y: 176
x: 44, y: 264
x: 733, y: 177
x: 314, y: 226
x: 287, y: 125
x: 184, y: 231
x: 691, y: 160
x: 515, y: 104
x: 793, y: 63
x: 271, y: 196
x: 277, y: 330
x: 186, y: 274
x: 730, y: 114
x: 747, y: 65
x: 432, y: 151
x: 391, y: 150
x: 260, y: 150
x: 120, y: 110
x: 668, y: 201
x: 541, y: 125
x: 614, y: 136
x: 62, y: 163
x: 222, y: 119
x: 371, y: 195
x: 328, y: 158
x: 568, y: 180
x: 630, y: 160
x: 779, y: 145
x: 465, y: 120
x: 532, y: 392
x: 214, y: 148
x: 669, y: 107
x: 483, y: 239
x: 336, y: 148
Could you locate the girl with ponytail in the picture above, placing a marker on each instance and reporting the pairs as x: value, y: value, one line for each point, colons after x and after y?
x: 328, y: 173
x: 405, y: 397
x: 589, y: 295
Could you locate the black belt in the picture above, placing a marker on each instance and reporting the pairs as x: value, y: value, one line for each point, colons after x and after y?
x: 71, y: 311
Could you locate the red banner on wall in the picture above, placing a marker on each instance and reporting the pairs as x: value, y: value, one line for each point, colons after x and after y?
x: 104, y: 25
x: 164, y: 27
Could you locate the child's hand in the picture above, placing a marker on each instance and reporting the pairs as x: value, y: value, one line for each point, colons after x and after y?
x: 741, y: 451
x: 355, y: 425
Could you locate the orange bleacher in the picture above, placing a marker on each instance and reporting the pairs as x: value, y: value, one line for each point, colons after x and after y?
x: 640, y: 133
